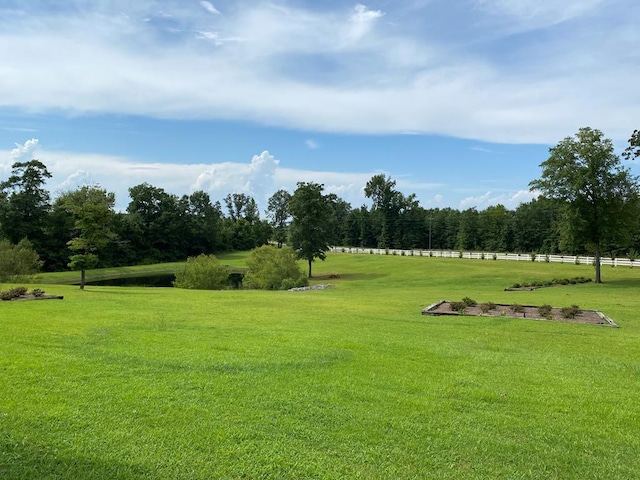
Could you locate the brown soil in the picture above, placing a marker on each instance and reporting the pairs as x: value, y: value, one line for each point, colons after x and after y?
x: 529, y: 312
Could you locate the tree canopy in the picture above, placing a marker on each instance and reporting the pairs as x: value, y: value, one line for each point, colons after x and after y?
x: 597, y: 194
x: 312, y: 228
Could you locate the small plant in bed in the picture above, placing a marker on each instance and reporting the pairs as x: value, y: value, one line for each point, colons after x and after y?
x: 516, y: 308
x: 545, y: 311
x: 459, y: 307
x: 487, y: 307
x: 469, y: 302
x: 570, y: 312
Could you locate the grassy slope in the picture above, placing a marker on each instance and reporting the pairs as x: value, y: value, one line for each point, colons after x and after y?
x: 350, y: 382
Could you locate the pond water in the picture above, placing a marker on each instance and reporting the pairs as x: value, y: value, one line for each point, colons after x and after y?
x: 147, y: 281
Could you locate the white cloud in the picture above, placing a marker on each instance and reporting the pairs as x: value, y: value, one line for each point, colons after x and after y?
x: 208, y: 6
x: 332, y: 70
x: 510, y: 199
x: 312, y: 144
x: 24, y: 152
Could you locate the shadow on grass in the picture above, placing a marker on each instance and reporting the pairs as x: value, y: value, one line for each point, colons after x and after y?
x: 20, y: 460
x: 348, y: 276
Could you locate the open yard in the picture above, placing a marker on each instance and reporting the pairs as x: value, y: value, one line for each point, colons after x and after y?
x: 348, y: 382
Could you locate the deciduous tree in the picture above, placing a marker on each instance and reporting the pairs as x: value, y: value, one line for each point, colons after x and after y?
x: 597, y: 194
x: 312, y: 227
x: 92, y: 208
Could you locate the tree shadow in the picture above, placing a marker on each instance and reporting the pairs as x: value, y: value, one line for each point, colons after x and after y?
x: 20, y: 460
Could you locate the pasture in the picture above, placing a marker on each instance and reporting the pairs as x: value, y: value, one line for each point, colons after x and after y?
x: 348, y: 382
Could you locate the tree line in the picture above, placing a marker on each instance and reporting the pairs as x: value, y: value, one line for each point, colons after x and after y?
x: 80, y: 228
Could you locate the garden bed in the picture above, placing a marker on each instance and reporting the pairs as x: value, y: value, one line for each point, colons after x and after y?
x: 529, y: 312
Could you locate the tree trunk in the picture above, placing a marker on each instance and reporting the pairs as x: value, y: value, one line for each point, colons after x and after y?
x: 310, y: 268
x: 596, y: 264
x: 83, y: 278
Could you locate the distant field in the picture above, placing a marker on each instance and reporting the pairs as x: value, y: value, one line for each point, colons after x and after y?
x: 348, y: 382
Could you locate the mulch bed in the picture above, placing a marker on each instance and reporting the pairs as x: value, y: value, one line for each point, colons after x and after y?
x: 29, y: 296
x: 530, y: 312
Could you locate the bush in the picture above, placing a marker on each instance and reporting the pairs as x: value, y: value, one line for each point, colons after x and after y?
x: 516, y: 308
x: 272, y: 268
x: 36, y: 292
x: 487, y: 307
x: 469, y: 302
x: 13, y: 293
x: 570, y: 312
x: 545, y: 311
x: 459, y: 307
x: 18, y: 260
x: 204, y: 272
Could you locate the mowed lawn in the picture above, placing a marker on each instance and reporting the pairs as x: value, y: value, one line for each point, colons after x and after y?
x: 349, y: 382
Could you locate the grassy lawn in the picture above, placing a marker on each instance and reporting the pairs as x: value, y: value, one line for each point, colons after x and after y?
x: 348, y: 382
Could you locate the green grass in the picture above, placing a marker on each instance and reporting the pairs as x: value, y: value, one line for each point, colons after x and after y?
x: 349, y: 382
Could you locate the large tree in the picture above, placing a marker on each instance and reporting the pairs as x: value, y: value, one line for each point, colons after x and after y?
x: 312, y: 229
x: 92, y: 209
x: 278, y: 213
x: 597, y: 194
x: 25, y: 202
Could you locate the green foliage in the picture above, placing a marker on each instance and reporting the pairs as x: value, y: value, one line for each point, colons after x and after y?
x: 92, y: 210
x: 570, y: 312
x: 15, y: 292
x: 487, y: 307
x: 516, y: 308
x: 272, y: 268
x: 598, y: 196
x: 545, y: 311
x: 18, y: 260
x: 312, y: 230
x: 459, y: 307
x: 204, y: 272
x: 469, y: 302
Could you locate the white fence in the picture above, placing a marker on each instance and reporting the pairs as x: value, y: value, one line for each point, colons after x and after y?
x: 521, y: 257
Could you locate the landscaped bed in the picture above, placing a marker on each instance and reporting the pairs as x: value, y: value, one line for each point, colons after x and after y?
x: 531, y: 312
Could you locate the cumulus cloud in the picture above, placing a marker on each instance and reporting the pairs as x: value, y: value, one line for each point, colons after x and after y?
x: 24, y: 152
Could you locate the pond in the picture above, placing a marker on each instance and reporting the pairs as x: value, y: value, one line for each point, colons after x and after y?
x: 165, y: 280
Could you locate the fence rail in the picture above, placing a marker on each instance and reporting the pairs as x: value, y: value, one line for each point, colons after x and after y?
x: 520, y: 257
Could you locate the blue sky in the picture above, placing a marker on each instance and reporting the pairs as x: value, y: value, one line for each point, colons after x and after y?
x: 456, y: 101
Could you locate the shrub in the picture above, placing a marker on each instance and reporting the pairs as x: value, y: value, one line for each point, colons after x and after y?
x: 516, y: 285
x: 487, y: 307
x: 13, y: 293
x: 516, y: 308
x: 547, y: 259
x: 272, y: 268
x: 482, y: 256
x: 469, y: 302
x: 18, y: 260
x: 459, y: 307
x: 402, y: 253
x: 460, y: 254
x: 204, y: 272
x: 533, y: 257
x: 495, y: 256
x: 430, y: 253
x: 570, y: 312
x: 545, y: 311
x: 36, y: 292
